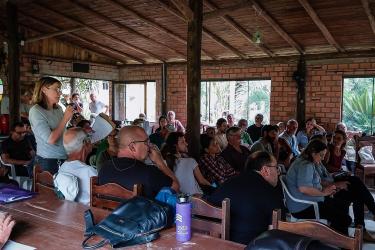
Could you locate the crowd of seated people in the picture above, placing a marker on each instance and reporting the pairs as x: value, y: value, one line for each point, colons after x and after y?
x: 235, y: 159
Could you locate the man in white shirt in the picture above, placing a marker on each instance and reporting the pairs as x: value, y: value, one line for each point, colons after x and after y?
x: 96, y: 107
x: 77, y: 146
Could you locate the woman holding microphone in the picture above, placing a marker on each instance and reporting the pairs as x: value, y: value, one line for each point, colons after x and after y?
x: 48, y: 123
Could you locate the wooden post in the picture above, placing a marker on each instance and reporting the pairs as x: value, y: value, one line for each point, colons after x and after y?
x: 194, y: 77
x: 300, y: 78
x: 164, y: 82
x: 14, y: 63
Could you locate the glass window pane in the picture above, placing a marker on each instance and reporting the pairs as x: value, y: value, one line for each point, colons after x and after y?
x: 134, y: 101
x: 151, y: 101
x: 357, y: 104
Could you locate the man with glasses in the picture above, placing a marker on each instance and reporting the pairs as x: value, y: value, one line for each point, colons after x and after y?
x: 235, y: 154
x: 129, y: 167
x: 253, y: 195
x: 18, y: 150
x: 255, y: 130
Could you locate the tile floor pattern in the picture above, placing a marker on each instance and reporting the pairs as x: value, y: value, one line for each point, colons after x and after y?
x: 370, y: 226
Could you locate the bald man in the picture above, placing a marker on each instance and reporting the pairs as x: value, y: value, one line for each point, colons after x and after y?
x: 290, y: 136
x: 129, y: 167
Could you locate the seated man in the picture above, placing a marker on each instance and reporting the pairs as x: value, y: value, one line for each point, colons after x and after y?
x: 253, y: 195
x: 129, y: 168
x: 77, y: 146
x: 17, y: 150
x: 268, y: 142
x: 235, y: 154
x: 290, y: 136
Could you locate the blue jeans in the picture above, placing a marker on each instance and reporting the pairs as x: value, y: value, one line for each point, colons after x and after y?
x: 49, y: 164
x: 350, y: 165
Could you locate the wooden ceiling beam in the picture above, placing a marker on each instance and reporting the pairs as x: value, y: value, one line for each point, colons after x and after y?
x: 183, y: 7
x: 122, y: 26
x: 216, y: 12
x: 262, y: 12
x: 86, y: 41
x: 98, y: 32
x: 205, y: 31
x: 236, y: 26
x: 52, y: 34
x: 370, y: 15
x: 318, y: 22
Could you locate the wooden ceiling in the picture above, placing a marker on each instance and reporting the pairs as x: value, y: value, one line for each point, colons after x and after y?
x: 154, y: 31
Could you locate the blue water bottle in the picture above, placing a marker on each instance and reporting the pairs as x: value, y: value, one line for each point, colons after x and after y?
x: 183, y: 219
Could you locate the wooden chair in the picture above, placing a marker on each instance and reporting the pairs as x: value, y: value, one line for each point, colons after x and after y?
x: 211, y: 219
x: 318, y: 231
x: 110, y: 195
x: 365, y: 170
x: 43, y: 181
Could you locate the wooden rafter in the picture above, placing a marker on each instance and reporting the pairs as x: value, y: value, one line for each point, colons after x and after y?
x: 216, y: 12
x: 111, y: 51
x: 370, y: 16
x: 182, y: 6
x: 262, y: 12
x: 328, y: 36
x: 236, y: 26
x: 96, y: 31
x: 122, y: 26
x: 152, y: 23
x: 206, y: 32
x: 52, y: 34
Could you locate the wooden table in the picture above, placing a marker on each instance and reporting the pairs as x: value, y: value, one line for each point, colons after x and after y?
x: 45, y: 222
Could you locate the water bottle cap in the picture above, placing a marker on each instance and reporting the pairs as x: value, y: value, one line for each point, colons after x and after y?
x: 183, y: 199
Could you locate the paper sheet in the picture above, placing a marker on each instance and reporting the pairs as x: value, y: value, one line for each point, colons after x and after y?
x: 12, y: 245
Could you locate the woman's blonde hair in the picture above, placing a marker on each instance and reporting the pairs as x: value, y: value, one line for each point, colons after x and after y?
x: 38, y: 96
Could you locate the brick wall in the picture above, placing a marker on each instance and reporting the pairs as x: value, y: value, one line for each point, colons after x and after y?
x: 323, y: 90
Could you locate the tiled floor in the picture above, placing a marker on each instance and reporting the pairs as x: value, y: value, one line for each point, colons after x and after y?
x: 370, y: 226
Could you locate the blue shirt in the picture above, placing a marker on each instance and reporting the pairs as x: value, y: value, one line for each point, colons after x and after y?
x: 292, y: 141
x: 302, y: 139
x: 302, y: 173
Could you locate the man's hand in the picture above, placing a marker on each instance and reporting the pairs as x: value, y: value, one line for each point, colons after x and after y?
x: 6, y: 225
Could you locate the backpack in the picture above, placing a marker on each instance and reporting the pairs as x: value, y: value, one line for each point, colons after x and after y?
x: 66, y: 185
x: 136, y: 221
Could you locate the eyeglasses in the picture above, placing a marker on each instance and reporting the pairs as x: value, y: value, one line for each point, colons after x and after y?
x: 58, y: 90
x: 20, y: 133
x: 146, y: 142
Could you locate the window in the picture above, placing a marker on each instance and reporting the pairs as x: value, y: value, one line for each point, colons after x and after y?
x: 244, y: 99
x: 358, y: 104
x: 130, y: 99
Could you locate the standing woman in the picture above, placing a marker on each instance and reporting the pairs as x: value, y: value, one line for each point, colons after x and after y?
x: 48, y: 123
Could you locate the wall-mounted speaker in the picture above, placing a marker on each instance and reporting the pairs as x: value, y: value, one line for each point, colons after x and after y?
x: 81, y: 67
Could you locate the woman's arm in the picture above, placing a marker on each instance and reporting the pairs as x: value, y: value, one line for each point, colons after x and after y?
x: 198, y: 175
x: 328, y: 190
x: 59, y: 130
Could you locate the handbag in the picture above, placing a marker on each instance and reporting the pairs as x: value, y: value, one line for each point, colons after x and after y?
x: 282, y: 240
x: 136, y: 221
x: 11, y: 193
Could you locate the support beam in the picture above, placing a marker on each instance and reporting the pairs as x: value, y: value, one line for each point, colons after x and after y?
x: 206, y: 32
x: 119, y: 54
x: 183, y: 8
x: 194, y: 77
x: 152, y: 23
x: 14, y: 63
x: 370, y: 16
x: 52, y: 34
x: 236, y: 26
x: 262, y: 12
x: 122, y: 26
x: 98, y: 32
x: 328, y: 36
x: 226, y: 11
x: 164, y: 85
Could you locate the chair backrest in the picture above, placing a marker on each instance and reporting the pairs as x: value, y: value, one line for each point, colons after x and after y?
x: 110, y: 195
x: 43, y: 180
x: 211, y: 219
x: 319, y: 231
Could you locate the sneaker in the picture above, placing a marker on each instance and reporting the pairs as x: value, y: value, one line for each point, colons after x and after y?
x: 368, y: 237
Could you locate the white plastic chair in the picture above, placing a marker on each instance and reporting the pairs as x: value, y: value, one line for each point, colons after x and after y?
x: 24, y: 181
x: 289, y: 195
